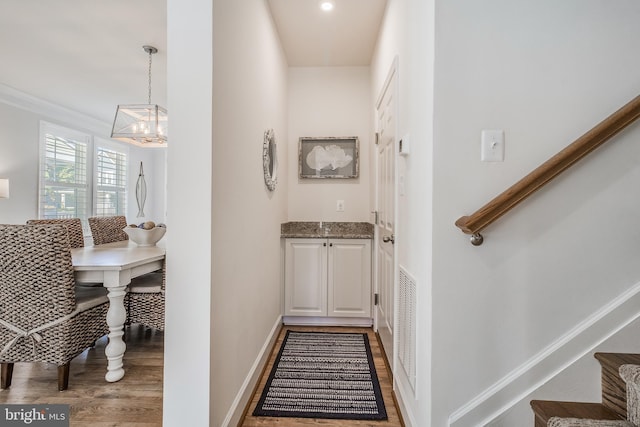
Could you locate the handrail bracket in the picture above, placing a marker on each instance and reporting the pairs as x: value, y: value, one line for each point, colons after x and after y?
x: 476, y: 239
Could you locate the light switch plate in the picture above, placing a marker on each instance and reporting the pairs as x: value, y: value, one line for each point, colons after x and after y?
x: 339, y: 205
x: 492, y: 145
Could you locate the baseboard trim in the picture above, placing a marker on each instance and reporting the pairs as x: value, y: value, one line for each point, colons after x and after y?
x: 400, y: 407
x: 384, y: 357
x: 549, y: 362
x: 398, y: 401
x: 406, y: 417
x: 364, y: 322
x: 240, y: 405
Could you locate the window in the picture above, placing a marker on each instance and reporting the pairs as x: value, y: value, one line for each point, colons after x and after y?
x: 111, y: 182
x: 67, y: 186
x: 64, y: 188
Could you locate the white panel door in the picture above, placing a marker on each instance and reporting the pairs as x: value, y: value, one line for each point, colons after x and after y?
x: 349, y: 280
x: 305, y: 277
x: 385, y: 206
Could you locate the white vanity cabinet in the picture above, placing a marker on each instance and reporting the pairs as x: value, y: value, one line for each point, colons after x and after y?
x: 328, y: 277
x: 305, y: 280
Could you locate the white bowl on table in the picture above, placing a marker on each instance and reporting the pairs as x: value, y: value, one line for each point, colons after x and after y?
x: 143, y: 237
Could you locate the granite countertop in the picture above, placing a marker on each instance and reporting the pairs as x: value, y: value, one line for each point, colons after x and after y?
x: 337, y: 230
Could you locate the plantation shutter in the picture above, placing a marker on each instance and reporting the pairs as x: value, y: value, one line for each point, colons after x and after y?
x: 64, y: 188
x: 111, y: 182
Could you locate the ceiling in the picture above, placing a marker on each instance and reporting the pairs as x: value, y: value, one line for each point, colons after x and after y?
x: 87, y: 56
x: 345, y: 36
x: 84, y: 55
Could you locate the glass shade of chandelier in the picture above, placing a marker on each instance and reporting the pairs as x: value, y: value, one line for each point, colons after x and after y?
x: 144, y: 125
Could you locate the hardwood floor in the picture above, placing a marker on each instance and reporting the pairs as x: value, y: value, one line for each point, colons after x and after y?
x: 383, y: 377
x: 136, y: 400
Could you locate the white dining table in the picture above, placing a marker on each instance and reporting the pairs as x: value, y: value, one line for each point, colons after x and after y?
x: 114, y: 265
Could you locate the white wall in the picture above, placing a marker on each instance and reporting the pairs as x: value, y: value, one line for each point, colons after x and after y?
x: 545, y: 72
x: 407, y: 34
x: 188, y: 346
x: 19, y: 148
x: 20, y: 117
x: 542, y: 72
x: 329, y: 102
x: 249, y: 97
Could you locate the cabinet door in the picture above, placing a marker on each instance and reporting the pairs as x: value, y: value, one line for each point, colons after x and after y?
x: 305, y: 289
x: 349, y: 281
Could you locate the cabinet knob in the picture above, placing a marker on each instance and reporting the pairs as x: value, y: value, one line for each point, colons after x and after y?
x: 324, y: 244
x: 331, y: 244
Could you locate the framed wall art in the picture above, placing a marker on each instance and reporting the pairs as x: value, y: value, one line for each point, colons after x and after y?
x: 329, y: 157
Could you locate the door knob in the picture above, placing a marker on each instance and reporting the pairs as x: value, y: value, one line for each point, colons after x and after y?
x: 389, y: 239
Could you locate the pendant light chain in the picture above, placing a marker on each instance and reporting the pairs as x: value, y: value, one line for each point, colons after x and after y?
x: 150, y: 54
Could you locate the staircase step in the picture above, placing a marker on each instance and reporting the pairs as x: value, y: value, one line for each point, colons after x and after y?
x: 545, y: 409
x: 614, y: 391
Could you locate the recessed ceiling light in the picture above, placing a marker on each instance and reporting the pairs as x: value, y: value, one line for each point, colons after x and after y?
x: 327, y: 5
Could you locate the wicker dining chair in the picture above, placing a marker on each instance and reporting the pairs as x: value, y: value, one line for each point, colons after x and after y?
x: 145, y: 299
x: 108, y: 229
x: 76, y: 238
x: 43, y: 317
x: 74, y: 228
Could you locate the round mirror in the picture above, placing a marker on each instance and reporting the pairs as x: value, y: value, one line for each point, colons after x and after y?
x: 269, y: 160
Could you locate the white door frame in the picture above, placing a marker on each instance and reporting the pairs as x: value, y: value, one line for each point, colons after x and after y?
x: 392, y: 77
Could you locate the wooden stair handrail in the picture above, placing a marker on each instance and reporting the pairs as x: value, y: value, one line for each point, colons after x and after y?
x: 507, y: 200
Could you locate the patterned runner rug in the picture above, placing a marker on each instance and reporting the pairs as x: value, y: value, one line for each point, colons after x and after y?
x: 323, y: 375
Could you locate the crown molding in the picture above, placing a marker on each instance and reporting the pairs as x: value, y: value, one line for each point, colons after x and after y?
x: 51, y: 111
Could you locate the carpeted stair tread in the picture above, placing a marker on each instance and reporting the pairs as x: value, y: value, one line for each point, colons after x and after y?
x: 614, y: 392
x: 545, y: 409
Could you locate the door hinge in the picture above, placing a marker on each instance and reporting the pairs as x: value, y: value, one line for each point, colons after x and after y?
x: 376, y: 298
x: 375, y: 213
x: 377, y: 138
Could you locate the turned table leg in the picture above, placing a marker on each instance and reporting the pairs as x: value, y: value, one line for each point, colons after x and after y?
x: 116, y: 317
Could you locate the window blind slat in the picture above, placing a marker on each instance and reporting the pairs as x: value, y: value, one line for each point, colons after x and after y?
x: 63, y: 187
x: 111, y: 187
x: 66, y: 188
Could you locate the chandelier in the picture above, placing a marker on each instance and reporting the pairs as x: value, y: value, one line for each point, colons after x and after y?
x: 144, y: 125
